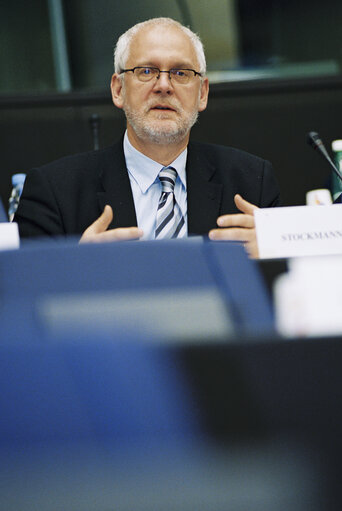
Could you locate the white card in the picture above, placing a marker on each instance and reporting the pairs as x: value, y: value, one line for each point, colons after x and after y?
x: 9, y: 235
x: 299, y: 231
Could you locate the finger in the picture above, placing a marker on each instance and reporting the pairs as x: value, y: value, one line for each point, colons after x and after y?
x: 101, y: 224
x: 252, y: 249
x: 233, y: 234
x: 236, y: 220
x: 246, y: 236
x: 124, y: 233
x: 243, y: 205
x: 119, y: 234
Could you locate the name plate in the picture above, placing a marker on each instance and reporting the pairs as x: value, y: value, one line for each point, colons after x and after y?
x: 299, y: 231
x: 9, y: 235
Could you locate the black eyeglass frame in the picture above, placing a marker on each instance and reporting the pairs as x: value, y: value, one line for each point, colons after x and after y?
x: 160, y: 71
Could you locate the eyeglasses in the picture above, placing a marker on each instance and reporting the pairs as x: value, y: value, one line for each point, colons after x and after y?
x: 146, y: 74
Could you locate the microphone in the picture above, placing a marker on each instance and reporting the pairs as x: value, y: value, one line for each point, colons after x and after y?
x: 314, y: 140
x: 94, y: 121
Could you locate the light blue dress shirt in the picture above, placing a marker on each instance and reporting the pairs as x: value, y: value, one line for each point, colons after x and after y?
x: 146, y: 187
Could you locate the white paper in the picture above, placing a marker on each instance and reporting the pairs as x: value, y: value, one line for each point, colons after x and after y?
x: 9, y: 235
x: 299, y: 231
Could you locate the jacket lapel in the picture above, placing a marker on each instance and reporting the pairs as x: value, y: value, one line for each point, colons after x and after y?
x: 204, y: 196
x: 115, y: 189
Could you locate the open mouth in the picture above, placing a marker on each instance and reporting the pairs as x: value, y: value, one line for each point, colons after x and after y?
x: 164, y: 108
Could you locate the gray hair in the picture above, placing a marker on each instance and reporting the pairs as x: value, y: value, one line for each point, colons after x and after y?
x: 123, y: 44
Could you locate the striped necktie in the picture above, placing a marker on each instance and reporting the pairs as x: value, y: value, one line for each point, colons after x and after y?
x: 170, y: 221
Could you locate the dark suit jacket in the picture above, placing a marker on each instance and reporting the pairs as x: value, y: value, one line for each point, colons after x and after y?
x: 67, y: 195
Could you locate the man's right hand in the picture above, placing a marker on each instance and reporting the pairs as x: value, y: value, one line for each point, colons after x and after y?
x: 97, y: 231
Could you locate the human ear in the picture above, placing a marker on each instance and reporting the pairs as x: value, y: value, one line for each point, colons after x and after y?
x: 116, y: 89
x: 203, y: 101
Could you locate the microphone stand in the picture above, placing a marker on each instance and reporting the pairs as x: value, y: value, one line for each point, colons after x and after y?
x: 94, y: 121
x: 314, y: 140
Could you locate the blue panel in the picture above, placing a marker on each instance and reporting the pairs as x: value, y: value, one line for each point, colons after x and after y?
x: 90, y: 389
x: 64, y: 266
x: 53, y: 268
x: 239, y: 277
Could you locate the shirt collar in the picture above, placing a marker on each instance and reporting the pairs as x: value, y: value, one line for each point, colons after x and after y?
x: 145, y: 171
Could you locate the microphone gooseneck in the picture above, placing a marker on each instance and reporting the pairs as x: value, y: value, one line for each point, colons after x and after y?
x: 94, y: 121
x: 315, y: 141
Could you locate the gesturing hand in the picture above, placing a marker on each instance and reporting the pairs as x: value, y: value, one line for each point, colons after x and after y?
x: 238, y: 226
x: 97, y: 231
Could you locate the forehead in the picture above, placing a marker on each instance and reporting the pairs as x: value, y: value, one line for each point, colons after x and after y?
x: 162, y: 45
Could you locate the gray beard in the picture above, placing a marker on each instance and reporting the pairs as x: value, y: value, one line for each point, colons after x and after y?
x: 159, y: 135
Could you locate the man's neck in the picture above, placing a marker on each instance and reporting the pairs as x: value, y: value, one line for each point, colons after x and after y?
x: 163, y: 154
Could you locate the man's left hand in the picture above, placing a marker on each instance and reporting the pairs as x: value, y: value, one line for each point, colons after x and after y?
x: 238, y: 227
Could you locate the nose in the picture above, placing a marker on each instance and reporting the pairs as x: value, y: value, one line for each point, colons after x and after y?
x: 163, y: 83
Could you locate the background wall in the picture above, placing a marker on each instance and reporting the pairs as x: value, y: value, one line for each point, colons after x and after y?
x: 269, y: 119
x: 274, y: 65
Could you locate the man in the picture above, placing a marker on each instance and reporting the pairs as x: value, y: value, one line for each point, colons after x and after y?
x: 119, y: 193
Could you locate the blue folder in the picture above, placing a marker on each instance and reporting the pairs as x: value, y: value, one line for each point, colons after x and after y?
x: 211, y: 287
